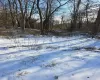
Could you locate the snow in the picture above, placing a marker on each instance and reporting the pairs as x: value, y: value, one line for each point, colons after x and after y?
x: 49, y: 58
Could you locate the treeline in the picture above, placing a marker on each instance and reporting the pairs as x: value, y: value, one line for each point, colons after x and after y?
x: 84, y: 15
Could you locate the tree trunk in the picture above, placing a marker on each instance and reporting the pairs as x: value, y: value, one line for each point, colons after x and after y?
x: 96, y: 24
x: 46, y: 26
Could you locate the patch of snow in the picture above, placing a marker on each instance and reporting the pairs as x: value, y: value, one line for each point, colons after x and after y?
x: 49, y: 58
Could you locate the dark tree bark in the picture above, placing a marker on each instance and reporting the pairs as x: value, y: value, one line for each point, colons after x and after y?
x: 40, y: 14
x: 11, y: 12
x: 75, y: 15
x: 96, y: 24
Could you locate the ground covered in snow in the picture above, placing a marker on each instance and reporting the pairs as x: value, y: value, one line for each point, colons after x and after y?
x: 49, y: 58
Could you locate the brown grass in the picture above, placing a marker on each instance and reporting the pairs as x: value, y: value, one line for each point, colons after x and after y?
x: 10, y: 32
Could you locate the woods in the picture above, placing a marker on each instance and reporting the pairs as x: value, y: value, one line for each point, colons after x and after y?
x: 41, y: 15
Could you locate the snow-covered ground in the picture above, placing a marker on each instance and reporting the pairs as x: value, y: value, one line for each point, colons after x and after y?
x: 50, y: 58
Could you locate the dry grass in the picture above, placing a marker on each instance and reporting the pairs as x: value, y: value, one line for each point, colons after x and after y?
x: 5, y: 32
x: 11, y: 32
x: 32, y: 31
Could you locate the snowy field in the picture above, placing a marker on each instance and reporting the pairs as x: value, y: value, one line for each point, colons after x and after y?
x: 50, y: 58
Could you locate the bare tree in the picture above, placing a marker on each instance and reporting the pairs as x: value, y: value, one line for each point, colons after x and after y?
x: 31, y: 11
x: 11, y: 11
x: 23, y: 13
x: 76, y: 5
x: 96, y: 24
x: 86, y: 8
x: 49, y: 11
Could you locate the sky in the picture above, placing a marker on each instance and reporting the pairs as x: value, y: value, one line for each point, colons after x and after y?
x: 67, y: 9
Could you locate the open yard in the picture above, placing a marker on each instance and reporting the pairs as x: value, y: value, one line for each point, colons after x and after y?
x: 49, y: 58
